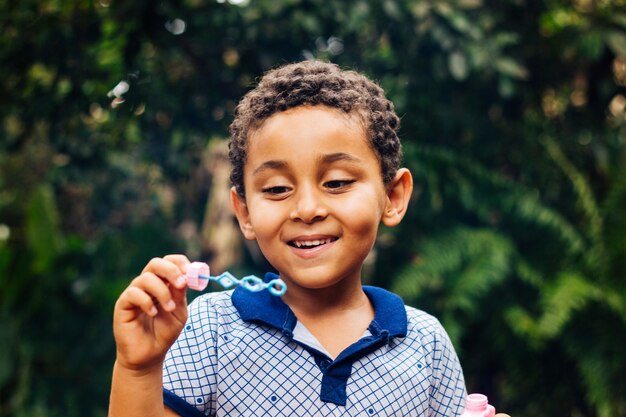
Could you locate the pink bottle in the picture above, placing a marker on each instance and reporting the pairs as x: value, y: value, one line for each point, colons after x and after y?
x: 477, y: 405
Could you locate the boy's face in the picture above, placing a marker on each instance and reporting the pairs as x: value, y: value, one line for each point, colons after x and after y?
x: 314, y: 196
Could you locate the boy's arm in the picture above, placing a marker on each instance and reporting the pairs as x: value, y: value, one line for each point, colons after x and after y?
x: 137, y: 393
x: 170, y: 413
x: 128, y: 387
x: 448, y: 386
x: 148, y: 317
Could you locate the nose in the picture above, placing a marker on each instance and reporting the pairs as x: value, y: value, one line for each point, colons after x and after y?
x: 309, y: 206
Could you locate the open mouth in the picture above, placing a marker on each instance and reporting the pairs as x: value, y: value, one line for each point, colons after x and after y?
x: 308, y: 244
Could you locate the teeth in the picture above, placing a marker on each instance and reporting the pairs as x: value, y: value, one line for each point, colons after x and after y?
x: 311, y: 243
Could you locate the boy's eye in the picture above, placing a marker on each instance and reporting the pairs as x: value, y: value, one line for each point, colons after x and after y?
x: 338, y: 184
x: 279, y: 189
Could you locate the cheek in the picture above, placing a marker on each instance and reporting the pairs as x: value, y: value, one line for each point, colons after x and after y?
x: 363, y: 217
x: 265, y: 219
x: 364, y: 225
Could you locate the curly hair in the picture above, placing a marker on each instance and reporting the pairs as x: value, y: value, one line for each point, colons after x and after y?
x: 316, y: 83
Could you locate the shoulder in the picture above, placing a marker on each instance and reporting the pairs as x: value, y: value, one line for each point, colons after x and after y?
x: 209, y: 315
x: 193, y: 356
x: 422, y: 322
x: 214, y: 299
x: 426, y: 329
x: 212, y: 304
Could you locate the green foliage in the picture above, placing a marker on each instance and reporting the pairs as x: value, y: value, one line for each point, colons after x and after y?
x: 514, y: 127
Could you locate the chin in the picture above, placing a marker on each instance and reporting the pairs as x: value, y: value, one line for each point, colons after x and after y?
x: 317, y: 280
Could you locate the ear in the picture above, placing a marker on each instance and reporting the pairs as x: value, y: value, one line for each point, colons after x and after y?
x: 243, y: 215
x: 398, y: 196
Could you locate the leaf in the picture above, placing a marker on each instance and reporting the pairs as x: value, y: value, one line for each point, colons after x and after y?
x: 472, y: 181
x: 508, y: 66
x: 587, y: 201
x: 467, y: 262
x: 7, y: 361
x: 592, y: 45
x: 561, y: 299
x: 619, y: 18
x: 615, y: 221
x: 462, y: 24
x: 43, y: 233
x: 488, y: 260
x: 470, y: 4
x: 616, y: 41
x: 457, y: 64
x: 569, y: 293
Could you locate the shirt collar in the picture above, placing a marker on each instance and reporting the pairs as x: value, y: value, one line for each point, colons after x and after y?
x: 262, y: 307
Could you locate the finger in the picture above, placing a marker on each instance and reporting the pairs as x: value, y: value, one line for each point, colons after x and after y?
x: 167, y: 270
x: 180, y: 293
x: 502, y: 415
x: 156, y: 288
x: 134, y: 297
x: 179, y: 260
x: 182, y: 262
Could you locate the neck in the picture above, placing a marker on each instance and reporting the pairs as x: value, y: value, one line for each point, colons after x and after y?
x: 337, y: 316
x: 343, y: 297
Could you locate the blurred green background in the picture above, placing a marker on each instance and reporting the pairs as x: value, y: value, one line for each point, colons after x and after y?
x: 113, y: 120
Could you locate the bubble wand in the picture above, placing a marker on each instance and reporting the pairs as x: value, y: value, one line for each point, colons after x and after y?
x: 198, y: 277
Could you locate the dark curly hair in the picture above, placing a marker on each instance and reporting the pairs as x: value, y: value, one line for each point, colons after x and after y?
x: 316, y: 83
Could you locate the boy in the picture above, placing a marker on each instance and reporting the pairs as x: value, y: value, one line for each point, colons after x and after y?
x: 315, y: 171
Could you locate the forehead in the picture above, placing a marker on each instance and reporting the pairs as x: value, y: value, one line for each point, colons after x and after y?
x: 320, y: 126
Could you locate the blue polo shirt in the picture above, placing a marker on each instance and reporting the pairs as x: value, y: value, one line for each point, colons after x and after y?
x: 245, y: 354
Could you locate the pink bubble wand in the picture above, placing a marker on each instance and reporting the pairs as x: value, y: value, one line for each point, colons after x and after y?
x: 198, y: 277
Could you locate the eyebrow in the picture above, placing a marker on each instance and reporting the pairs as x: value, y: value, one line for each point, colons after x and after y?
x: 324, y: 159
x: 271, y: 164
x: 338, y: 156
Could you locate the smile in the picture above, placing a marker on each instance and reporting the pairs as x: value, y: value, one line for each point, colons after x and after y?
x: 304, y: 244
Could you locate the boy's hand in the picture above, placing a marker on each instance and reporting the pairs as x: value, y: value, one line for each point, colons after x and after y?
x: 150, y: 314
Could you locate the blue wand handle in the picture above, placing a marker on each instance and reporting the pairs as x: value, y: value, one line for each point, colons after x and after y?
x: 198, y: 277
